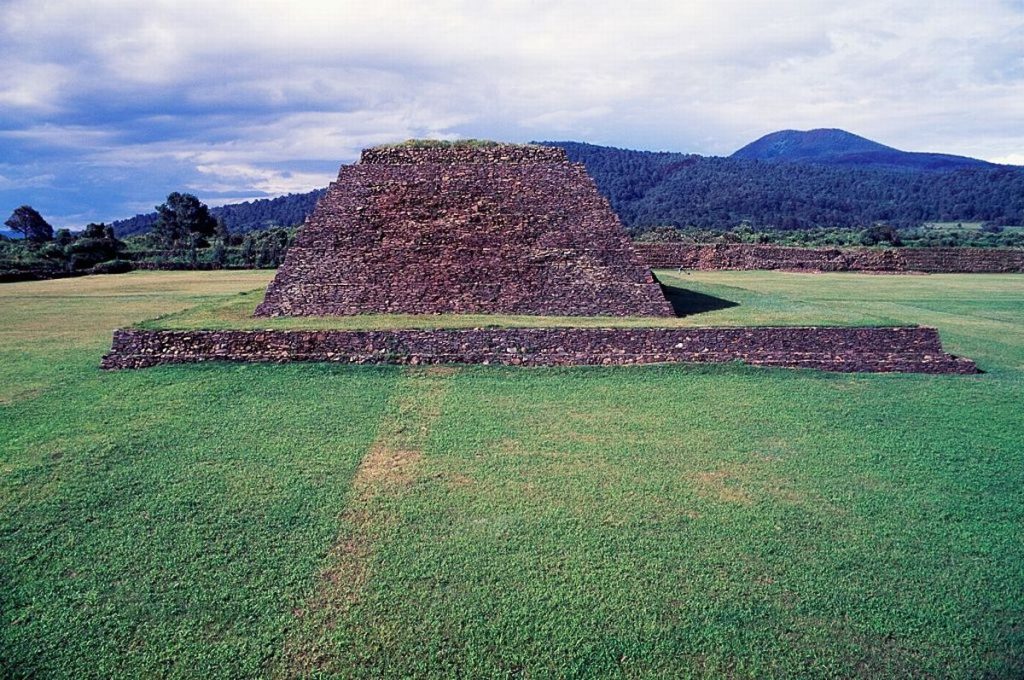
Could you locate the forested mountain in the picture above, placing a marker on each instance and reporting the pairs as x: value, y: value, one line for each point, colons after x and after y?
x: 838, y: 147
x: 656, y: 188
x: 239, y: 218
x: 649, y: 189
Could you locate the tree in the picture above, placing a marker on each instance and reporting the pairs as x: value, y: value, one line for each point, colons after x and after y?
x: 63, y: 237
x: 249, y: 250
x: 181, y: 217
x: 29, y: 223
x: 880, y: 233
x: 94, y: 245
x: 94, y: 230
x: 219, y: 254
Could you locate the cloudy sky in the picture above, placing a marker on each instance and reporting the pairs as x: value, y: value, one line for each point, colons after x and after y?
x: 106, y: 106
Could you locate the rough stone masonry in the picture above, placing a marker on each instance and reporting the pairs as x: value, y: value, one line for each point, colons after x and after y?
x: 874, y: 350
x: 501, y: 229
x: 748, y: 256
x: 496, y: 229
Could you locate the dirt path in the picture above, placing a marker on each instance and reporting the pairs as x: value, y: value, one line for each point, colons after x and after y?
x: 389, y: 467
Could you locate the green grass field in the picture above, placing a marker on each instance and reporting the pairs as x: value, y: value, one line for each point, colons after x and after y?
x: 662, y: 521
x: 706, y: 299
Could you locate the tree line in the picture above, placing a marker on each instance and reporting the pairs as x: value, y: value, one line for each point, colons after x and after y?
x: 240, y: 218
x: 953, y: 235
x: 657, y: 196
x: 184, y: 235
x: 649, y: 189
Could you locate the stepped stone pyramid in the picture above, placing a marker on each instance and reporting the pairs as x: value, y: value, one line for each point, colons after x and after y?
x: 462, y: 228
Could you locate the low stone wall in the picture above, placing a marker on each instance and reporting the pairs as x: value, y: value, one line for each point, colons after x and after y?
x: 904, y: 350
x: 750, y: 256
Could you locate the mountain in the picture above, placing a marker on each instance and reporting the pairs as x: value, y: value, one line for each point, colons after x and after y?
x: 838, y: 147
x: 264, y: 213
x: 648, y: 189
x: 7, y: 233
x: 674, y: 189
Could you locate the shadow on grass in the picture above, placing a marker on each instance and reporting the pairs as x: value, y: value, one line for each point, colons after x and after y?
x: 688, y: 302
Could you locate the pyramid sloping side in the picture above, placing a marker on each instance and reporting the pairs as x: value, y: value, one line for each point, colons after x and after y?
x: 464, y: 237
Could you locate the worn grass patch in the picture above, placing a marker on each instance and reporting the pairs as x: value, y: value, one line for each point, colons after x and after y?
x: 720, y: 520
x: 387, y: 471
x: 667, y: 521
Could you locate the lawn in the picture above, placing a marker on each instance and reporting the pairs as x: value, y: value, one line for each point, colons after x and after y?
x: 701, y: 298
x: 662, y: 521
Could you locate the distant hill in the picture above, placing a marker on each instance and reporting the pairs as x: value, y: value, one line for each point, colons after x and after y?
x: 650, y: 189
x: 7, y: 233
x: 264, y: 213
x: 674, y: 189
x: 838, y: 147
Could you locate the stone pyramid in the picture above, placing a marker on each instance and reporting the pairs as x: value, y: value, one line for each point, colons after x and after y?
x: 463, y: 228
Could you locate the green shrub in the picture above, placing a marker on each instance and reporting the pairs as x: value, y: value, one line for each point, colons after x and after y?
x: 112, y: 267
x: 441, y: 144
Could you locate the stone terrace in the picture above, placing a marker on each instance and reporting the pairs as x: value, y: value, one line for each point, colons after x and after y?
x: 888, y: 350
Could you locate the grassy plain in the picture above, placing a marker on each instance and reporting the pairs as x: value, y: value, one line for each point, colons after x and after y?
x: 705, y: 299
x: 667, y: 521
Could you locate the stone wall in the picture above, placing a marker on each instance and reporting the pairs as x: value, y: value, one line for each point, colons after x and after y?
x: 494, y: 229
x: 750, y: 256
x: 909, y: 350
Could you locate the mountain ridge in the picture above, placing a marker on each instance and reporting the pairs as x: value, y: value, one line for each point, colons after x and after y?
x: 664, y: 188
x: 671, y: 189
x: 832, y: 146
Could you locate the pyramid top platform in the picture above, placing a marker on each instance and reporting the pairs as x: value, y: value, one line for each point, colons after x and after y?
x: 461, y: 152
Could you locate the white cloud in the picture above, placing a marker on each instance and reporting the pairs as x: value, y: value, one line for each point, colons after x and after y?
x: 1009, y: 159
x: 35, y: 87
x: 239, y: 177
x: 62, y: 136
x: 33, y: 181
x: 253, y: 83
x: 751, y: 64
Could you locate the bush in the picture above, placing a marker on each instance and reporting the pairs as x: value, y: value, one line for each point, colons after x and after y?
x: 112, y: 267
x: 663, y: 235
x: 880, y: 233
x: 14, y: 275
